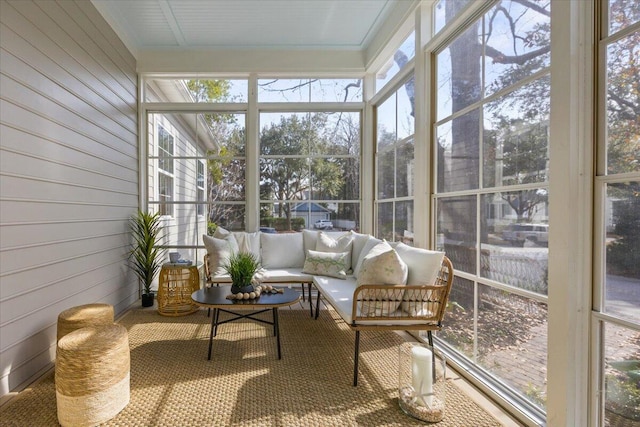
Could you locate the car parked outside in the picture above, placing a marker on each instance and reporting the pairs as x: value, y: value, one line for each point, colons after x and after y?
x: 323, y: 224
x: 517, y: 234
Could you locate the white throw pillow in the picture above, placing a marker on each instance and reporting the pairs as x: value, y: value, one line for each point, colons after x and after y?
x: 327, y: 243
x: 332, y: 264
x: 283, y: 250
x: 424, y: 266
x: 359, y: 240
x: 369, y: 244
x: 219, y: 252
x: 248, y: 242
x: 221, y: 233
x: 382, y: 266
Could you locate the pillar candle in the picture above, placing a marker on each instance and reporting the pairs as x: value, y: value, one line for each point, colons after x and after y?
x: 421, y: 359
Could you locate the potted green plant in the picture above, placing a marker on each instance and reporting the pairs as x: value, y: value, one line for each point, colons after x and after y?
x: 241, y: 267
x: 146, y: 255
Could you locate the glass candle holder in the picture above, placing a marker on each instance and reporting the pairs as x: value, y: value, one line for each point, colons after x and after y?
x: 421, y: 383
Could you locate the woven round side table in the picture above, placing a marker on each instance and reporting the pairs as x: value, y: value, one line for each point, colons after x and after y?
x: 82, y: 316
x: 92, y: 375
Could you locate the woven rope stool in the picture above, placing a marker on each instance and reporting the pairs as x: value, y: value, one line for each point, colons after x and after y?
x: 92, y: 375
x: 82, y: 316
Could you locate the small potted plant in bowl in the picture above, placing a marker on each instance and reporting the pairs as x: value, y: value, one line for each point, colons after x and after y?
x: 146, y: 255
x: 241, y: 267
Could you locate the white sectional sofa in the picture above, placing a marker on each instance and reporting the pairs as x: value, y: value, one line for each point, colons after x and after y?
x: 371, y: 284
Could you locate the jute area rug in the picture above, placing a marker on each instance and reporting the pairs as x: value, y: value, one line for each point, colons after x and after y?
x: 173, y: 383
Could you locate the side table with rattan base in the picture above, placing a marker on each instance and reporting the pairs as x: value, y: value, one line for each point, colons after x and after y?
x: 176, y: 284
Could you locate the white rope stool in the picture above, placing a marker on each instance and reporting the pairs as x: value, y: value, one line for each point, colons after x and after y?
x: 82, y: 316
x: 92, y: 375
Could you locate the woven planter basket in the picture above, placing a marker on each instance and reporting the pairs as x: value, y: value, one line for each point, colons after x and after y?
x: 82, y: 316
x: 92, y: 375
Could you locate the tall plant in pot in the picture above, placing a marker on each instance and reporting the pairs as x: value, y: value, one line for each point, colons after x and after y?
x: 146, y: 255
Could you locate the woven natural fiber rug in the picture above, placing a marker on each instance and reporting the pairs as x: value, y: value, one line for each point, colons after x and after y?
x: 173, y: 383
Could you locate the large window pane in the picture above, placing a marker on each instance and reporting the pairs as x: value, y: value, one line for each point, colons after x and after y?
x: 459, y: 73
x: 457, y: 228
x: 309, y: 169
x: 459, y: 331
x: 621, y: 376
x: 404, y: 222
x: 458, y: 153
x: 512, y: 341
x: 622, y: 13
x: 514, y: 253
x: 622, y: 282
x: 516, y: 137
x: 386, y: 168
x: 510, y: 57
x: 623, y: 104
x: 386, y: 116
x: 385, y: 221
x: 404, y: 168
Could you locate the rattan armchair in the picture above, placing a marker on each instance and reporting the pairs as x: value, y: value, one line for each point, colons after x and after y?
x: 422, y: 308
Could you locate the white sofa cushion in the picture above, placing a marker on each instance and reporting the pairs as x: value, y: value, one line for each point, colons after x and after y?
x: 341, y: 244
x: 368, y: 245
x: 219, y: 251
x: 283, y: 250
x: 333, y: 264
x: 382, y: 266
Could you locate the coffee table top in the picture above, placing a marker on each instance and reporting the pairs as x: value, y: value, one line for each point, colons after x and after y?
x: 216, y: 297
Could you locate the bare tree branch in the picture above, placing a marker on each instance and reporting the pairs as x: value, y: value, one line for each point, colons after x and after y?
x: 501, y: 58
x: 531, y: 5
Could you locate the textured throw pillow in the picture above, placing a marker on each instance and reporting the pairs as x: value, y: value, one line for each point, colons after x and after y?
x: 382, y: 266
x: 332, y: 264
x: 219, y: 252
x: 282, y: 250
x: 327, y: 243
x: 424, y: 266
x: 366, y: 248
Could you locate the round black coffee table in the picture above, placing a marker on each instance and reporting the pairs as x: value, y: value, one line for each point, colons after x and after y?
x: 215, y: 297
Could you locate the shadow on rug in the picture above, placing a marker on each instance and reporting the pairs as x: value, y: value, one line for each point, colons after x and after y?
x: 244, y: 384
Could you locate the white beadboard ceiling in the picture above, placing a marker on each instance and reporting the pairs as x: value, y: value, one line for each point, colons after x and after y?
x: 246, y: 24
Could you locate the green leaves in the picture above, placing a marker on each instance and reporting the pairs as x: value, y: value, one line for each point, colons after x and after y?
x: 241, y: 267
x: 146, y: 255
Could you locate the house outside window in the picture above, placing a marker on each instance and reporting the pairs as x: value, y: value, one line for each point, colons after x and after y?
x: 165, y: 171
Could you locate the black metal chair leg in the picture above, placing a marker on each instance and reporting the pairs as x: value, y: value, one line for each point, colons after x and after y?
x: 318, y: 304
x: 303, y: 297
x: 355, y: 359
x: 310, y: 302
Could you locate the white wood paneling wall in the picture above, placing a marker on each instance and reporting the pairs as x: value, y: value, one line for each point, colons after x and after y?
x: 68, y: 174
